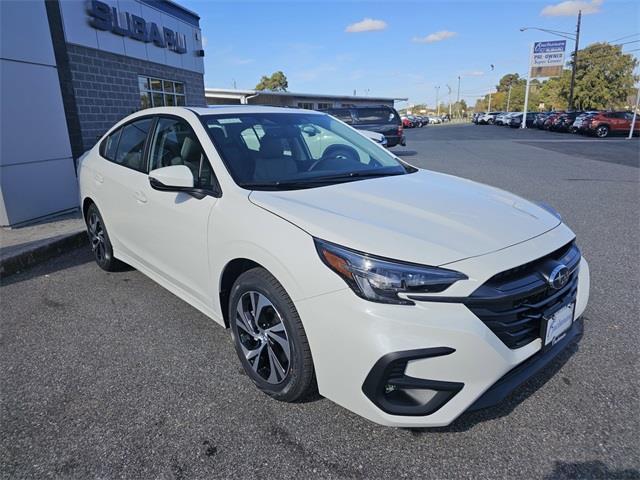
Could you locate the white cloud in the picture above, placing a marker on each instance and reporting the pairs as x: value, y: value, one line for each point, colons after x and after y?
x: 366, y: 25
x: 241, y: 61
x: 571, y: 8
x: 435, y: 37
x: 473, y: 73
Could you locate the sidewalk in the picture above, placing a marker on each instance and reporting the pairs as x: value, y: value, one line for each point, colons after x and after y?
x: 26, y: 246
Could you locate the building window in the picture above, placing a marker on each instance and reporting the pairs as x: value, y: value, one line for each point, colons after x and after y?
x: 308, y: 106
x: 155, y: 92
x: 324, y: 106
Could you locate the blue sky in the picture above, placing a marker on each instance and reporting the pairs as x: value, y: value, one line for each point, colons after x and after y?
x: 401, y: 49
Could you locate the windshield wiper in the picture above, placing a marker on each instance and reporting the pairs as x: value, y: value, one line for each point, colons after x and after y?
x: 316, y: 181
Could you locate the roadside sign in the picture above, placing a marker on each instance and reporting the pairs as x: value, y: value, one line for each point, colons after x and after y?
x: 547, y: 58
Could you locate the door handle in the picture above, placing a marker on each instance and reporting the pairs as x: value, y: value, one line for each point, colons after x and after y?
x: 98, y: 178
x: 140, y: 197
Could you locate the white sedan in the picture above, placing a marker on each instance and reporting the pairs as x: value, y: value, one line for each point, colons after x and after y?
x: 404, y: 295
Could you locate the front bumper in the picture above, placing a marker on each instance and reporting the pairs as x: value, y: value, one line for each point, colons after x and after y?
x: 349, y: 336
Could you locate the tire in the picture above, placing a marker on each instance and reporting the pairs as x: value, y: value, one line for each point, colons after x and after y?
x: 100, y: 243
x: 262, y: 343
x: 602, y: 131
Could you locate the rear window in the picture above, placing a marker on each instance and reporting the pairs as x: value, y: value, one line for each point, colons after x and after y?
x: 376, y: 115
x: 342, y: 114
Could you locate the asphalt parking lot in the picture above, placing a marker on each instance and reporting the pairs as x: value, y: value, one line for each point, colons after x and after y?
x: 110, y: 376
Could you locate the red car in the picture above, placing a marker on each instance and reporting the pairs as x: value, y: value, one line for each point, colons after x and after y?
x: 604, y: 124
x: 548, y: 122
x: 407, y: 123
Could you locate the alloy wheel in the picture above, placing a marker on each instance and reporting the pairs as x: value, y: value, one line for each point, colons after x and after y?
x: 602, y: 131
x: 97, y: 237
x: 263, y: 337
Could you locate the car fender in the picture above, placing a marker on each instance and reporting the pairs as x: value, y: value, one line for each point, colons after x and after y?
x: 285, y: 250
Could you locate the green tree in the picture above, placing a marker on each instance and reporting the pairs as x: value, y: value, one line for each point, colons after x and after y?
x: 604, y: 77
x: 277, y: 82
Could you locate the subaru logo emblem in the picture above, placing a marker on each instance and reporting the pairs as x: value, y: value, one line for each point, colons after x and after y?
x: 558, y: 277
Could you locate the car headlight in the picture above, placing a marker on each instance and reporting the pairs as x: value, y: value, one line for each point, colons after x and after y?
x: 380, y: 279
x: 550, y: 209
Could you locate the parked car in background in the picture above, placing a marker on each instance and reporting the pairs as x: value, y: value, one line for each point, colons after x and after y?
x: 501, y: 119
x: 404, y: 295
x: 406, y: 122
x: 515, y: 120
x: 381, y: 119
x: 489, y: 118
x: 581, y: 123
x: 540, y: 119
x: 421, y: 121
x: 375, y: 137
x: 550, y: 119
x: 476, y: 117
x: 564, y: 121
x: 434, y: 119
x: 604, y: 124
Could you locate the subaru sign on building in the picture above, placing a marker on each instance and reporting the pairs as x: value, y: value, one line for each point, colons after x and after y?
x: 70, y: 70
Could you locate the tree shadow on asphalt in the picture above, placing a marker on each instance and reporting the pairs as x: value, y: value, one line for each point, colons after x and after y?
x: 405, y: 153
x: 469, y: 420
x: 74, y: 258
x: 594, y: 469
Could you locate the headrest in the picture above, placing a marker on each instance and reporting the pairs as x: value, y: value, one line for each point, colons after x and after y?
x: 190, y: 151
x: 271, y: 147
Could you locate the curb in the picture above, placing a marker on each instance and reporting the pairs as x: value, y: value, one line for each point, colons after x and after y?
x: 20, y: 261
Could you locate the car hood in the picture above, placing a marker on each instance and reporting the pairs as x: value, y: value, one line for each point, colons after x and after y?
x: 423, y: 217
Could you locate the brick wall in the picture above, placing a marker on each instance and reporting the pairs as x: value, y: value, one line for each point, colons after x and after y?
x: 106, y: 89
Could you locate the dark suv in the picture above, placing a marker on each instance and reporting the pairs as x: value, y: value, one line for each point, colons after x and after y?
x: 381, y: 119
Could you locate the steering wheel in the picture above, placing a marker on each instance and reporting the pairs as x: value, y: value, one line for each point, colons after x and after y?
x: 338, y: 154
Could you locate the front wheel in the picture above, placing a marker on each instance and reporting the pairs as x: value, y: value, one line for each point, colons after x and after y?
x: 100, y: 243
x: 269, y: 337
x: 602, y: 131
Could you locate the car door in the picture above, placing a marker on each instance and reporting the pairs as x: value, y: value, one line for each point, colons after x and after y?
x: 121, y: 175
x: 173, y: 226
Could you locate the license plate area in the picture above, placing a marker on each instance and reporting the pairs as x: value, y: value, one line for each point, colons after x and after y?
x: 555, y: 326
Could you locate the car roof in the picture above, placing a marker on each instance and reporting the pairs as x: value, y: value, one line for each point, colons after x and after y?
x: 237, y: 109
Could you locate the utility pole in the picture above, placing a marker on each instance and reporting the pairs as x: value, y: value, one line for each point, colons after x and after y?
x: 489, y: 108
x: 438, y: 100
x: 458, y: 97
x: 575, y: 61
x: 449, y: 88
x: 509, y: 97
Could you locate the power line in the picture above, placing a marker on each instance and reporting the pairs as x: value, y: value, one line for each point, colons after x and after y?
x: 622, y: 38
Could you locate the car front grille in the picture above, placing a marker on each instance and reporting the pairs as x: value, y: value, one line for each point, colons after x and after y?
x: 513, y: 303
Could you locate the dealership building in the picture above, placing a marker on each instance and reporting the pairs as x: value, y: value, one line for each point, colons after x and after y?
x: 310, y: 101
x: 69, y: 70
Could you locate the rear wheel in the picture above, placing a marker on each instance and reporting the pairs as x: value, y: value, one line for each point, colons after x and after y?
x: 602, y: 131
x: 269, y: 337
x: 100, y: 243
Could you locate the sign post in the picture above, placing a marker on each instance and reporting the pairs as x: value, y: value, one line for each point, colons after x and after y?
x: 545, y: 60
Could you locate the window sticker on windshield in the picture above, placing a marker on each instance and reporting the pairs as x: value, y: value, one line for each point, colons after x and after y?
x: 229, y: 120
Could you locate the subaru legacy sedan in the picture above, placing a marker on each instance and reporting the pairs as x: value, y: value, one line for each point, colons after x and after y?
x: 405, y: 295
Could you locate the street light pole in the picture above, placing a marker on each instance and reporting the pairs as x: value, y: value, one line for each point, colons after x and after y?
x: 575, y: 61
x: 438, y: 100
x: 509, y: 97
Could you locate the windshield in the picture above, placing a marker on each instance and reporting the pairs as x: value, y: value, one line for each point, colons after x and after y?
x: 279, y: 151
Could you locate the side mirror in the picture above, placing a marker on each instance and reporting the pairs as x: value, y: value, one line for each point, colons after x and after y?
x: 176, y: 178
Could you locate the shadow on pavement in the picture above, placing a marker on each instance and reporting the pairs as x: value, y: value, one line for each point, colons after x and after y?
x: 594, y: 469
x: 405, y: 153
x: 78, y: 256
x: 468, y: 420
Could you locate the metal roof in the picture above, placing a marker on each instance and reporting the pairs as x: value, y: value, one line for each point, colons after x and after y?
x: 231, y: 92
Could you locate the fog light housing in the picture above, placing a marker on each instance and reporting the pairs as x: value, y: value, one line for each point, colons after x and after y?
x: 396, y: 393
